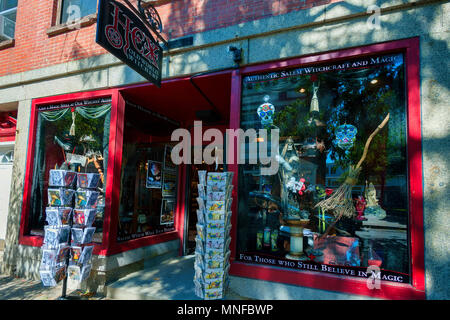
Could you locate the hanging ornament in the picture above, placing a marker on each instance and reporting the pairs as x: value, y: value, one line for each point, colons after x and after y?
x: 345, y: 136
x: 72, y: 127
x: 314, y: 110
x: 266, y: 112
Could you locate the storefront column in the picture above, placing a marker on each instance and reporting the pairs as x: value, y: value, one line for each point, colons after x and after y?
x: 17, y: 185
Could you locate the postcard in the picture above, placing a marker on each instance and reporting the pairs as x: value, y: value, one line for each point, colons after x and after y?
x: 63, y: 253
x: 74, y: 273
x: 48, y: 259
x: 47, y: 278
x: 86, y: 254
x: 167, y: 211
x: 154, y: 175
x: 77, y: 235
x: 87, y: 236
x: 86, y: 271
x: 75, y: 253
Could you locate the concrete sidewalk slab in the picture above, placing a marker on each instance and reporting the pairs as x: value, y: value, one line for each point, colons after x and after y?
x: 163, y: 278
x: 12, y: 288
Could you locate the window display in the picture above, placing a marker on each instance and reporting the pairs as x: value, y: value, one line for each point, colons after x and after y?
x: 71, y: 139
x: 339, y: 200
x: 149, y: 180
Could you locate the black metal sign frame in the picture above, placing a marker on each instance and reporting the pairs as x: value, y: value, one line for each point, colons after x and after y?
x: 126, y: 34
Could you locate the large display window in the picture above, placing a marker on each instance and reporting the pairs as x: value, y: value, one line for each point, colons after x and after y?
x: 344, y: 203
x: 70, y: 136
x: 149, y: 179
x: 325, y: 114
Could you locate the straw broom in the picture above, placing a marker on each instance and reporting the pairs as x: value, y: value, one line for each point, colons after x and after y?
x: 341, y: 201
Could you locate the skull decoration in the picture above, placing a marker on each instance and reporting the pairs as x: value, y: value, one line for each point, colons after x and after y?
x: 345, y: 136
x: 266, y: 112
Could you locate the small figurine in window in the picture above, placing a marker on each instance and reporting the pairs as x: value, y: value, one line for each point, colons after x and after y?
x: 373, y: 209
x: 320, y: 145
x: 360, y: 206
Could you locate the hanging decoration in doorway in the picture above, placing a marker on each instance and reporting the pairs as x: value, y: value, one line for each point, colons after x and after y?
x: 266, y: 111
x: 314, y: 109
x: 345, y: 136
x: 72, y: 127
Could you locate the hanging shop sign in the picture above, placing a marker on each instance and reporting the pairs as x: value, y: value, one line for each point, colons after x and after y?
x: 126, y: 34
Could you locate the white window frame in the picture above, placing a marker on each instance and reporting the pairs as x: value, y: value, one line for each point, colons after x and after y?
x: 7, y: 11
x: 59, y: 12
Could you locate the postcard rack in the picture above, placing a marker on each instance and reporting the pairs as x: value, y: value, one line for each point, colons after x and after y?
x: 67, y: 248
x: 213, y: 228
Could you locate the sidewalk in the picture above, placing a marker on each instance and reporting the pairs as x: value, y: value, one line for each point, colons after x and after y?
x: 12, y: 288
x: 163, y: 278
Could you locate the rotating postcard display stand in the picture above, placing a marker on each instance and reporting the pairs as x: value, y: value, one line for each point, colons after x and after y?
x: 66, y: 249
x: 213, y: 228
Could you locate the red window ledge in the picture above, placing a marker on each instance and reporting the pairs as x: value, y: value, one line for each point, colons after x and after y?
x: 339, y: 284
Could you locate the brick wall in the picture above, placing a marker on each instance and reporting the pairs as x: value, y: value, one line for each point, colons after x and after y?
x: 35, y: 49
x: 183, y: 17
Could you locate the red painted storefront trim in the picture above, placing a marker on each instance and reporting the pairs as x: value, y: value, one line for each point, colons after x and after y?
x: 8, y: 134
x: 109, y: 245
x: 36, y: 241
x: 8, y: 138
x: 235, y: 121
x: 415, y: 290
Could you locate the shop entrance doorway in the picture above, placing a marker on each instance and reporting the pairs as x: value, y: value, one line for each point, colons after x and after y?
x: 150, y: 213
x: 192, y: 204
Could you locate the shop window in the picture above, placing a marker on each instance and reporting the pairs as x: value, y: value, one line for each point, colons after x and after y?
x: 6, y: 157
x: 8, y: 11
x: 325, y: 114
x: 148, y: 193
x: 72, y: 10
x: 71, y: 136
